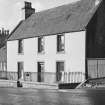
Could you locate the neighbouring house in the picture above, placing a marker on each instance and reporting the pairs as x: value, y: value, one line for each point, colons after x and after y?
x: 3, y: 52
x: 62, y: 44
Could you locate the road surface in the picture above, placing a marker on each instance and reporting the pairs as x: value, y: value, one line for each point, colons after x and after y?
x: 19, y: 96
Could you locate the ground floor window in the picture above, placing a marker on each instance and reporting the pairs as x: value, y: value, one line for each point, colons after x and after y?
x: 59, y: 70
x: 40, y: 76
x: 20, y: 70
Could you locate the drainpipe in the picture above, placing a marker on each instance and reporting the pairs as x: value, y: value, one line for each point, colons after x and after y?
x: 86, y: 67
x: 97, y: 69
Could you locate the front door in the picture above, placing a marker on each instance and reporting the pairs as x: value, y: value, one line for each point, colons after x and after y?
x: 40, y: 77
x: 20, y: 71
x: 59, y: 70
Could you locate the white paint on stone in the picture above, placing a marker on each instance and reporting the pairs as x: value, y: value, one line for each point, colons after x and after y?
x: 74, y: 55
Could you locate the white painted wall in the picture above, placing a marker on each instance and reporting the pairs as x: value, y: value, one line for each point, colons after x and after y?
x: 75, y: 52
x: 74, y: 55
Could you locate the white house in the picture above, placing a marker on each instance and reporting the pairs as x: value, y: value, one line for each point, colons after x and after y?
x: 50, y: 46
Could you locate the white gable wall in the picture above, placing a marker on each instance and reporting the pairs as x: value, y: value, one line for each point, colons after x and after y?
x: 75, y: 51
x: 74, y: 55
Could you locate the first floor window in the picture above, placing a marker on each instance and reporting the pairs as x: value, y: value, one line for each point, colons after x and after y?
x: 20, y: 46
x: 59, y: 70
x: 60, y: 43
x: 40, y: 44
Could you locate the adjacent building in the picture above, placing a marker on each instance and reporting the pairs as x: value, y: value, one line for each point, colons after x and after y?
x: 4, y: 34
x: 62, y: 44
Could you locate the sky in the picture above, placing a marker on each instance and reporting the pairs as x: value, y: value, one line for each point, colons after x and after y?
x: 11, y: 10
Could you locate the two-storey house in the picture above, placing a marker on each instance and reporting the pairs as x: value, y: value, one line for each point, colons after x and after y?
x: 62, y: 44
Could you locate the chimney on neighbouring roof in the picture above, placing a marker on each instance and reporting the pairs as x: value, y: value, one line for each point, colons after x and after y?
x: 4, y: 32
x: 28, y: 10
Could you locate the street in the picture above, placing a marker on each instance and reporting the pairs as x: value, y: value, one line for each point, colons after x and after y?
x: 19, y: 96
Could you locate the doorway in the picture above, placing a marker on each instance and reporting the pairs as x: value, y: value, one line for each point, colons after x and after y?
x: 59, y: 70
x: 40, y: 76
x: 20, y: 71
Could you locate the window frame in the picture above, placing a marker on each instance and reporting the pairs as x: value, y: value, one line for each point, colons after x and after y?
x: 58, y: 50
x: 39, y: 48
x: 20, y: 46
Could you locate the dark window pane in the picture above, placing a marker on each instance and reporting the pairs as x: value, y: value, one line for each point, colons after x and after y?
x: 60, y: 43
x: 20, y: 46
x: 40, y: 44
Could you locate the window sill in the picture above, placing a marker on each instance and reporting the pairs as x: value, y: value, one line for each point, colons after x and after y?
x: 60, y: 52
x: 20, y: 53
x: 40, y: 53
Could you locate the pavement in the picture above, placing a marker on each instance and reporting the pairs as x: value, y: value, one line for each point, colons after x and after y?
x: 37, y: 85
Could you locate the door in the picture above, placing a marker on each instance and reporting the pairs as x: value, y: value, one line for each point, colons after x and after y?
x: 20, y: 71
x: 40, y: 77
x: 59, y: 70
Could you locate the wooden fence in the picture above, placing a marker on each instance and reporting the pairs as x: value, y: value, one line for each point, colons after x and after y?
x: 96, y: 68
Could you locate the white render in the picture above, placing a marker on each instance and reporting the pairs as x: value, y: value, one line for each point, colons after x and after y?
x: 74, y: 55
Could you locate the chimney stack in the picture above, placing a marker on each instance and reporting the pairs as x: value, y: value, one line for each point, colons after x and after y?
x: 28, y: 10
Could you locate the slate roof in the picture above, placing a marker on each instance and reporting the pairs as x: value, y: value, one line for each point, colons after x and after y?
x: 66, y: 18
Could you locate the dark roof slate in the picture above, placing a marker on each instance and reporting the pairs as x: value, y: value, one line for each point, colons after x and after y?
x: 66, y: 18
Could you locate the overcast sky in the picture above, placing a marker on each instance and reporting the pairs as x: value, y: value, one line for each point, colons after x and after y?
x: 11, y: 13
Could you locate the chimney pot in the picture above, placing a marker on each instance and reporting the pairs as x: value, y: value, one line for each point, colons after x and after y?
x: 2, y: 31
x: 27, y: 4
x: 7, y: 32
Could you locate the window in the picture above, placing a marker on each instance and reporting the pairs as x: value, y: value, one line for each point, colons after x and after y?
x: 59, y: 70
x: 41, y: 67
x: 20, y: 70
x: 60, y: 43
x: 20, y: 46
x: 40, y: 44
